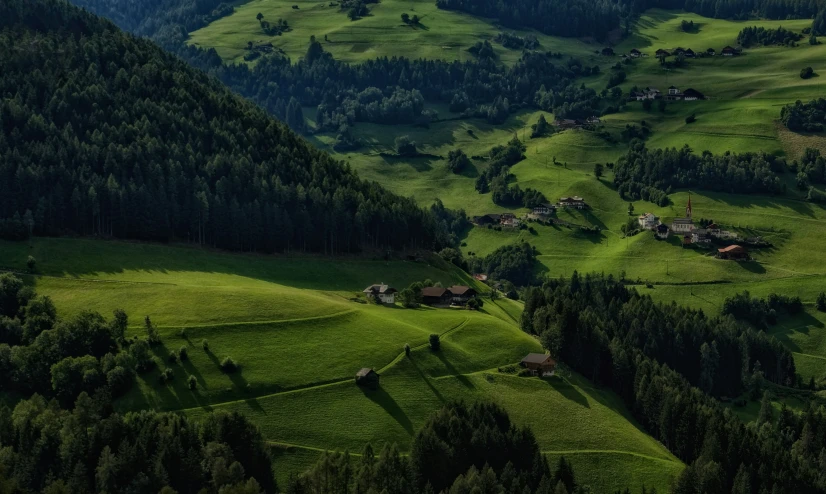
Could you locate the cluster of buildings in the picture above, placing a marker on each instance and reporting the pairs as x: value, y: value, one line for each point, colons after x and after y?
x: 691, y: 234
x: 569, y: 123
x: 673, y: 94
x: 507, y: 220
x: 455, y: 295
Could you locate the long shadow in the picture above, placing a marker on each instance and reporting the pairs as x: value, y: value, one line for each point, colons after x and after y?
x: 427, y: 381
x: 384, y: 400
x: 454, y: 372
x: 752, y: 267
x: 238, y: 382
x: 567, y: 390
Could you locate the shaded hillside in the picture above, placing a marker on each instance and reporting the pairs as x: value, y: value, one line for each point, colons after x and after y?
x: 102, y: 133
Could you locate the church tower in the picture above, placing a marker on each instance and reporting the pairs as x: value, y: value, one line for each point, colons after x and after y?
x: 688, y: 208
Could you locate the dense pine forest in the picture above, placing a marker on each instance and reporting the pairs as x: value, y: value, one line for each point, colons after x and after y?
x: 667, y: 362
x: 105, y: 134
x: 652, y: 174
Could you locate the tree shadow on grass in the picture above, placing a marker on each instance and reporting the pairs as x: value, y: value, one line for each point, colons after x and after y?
x: 453, y: 371
x: 752, y: 266
x: 567, y: 390
x: 383, y: 399
x: 238, y: 382
x: 427, y: 381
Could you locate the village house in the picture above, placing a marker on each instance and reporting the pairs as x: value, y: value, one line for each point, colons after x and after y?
x: 367, y: 378
x: 436, y: 295
x: 733, y: 252
x: 662, y: 231
x: 487, y: 219
x: 700, y: 236
x: 635, y: 53
x: 608, y: 51
x: 575, y: 202
x: 544, y: 209
x: 593, y: 120
x: 684, y: 225
x: 662, y: 53
x: 509, y: 220
x: 461, y: 295
x: 678, y: 51
x: 713, y: 229
x: 730, y: 52
x: 539, y: 364
x: 711, y: 52
x: 692, y: 95
x: 566, y: 123
x: 384, y: 293
x: 674, y: 94
x: 689, y: 53
x: 648, y: 221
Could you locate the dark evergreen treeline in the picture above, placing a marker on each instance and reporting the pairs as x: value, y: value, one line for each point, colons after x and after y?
x: 651, y: 174
x: 761, y: 312
x: 514, y: 263
x: 463, y: 448
x: 807, y: 117
x: 755, y: 35
x: 660, y: 359
x: 105, y: 134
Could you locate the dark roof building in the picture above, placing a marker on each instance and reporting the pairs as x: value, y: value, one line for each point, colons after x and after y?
x: 368, y: 378
x: 689, y: 53
x: 539, y: 363
x: 663, y: 53
x: 692, y: 94
x: 733, y: 252
x: 435, y: 295
x: 608, y: 51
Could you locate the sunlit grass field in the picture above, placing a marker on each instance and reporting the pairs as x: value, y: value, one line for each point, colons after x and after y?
x: 441, y: 34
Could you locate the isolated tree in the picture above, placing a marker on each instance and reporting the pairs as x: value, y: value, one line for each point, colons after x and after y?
x: 598, y: 170
x: 435, y: 342
x: 31, y: 264
x: 806, y: 73
x: 541, y: 127
x: 404, y: 146
x: 821, y: 302
x: 457, y: 161
x: 183, y: 354
x: 259, y: 16
x: 228, y: 365
x: 152, y: 336
x: 630, y: 208
x: 173, y: 357
x: 192, y: 382
x: 407, y: 349
x: 119, y: 323
x: 405, y: 18
x: 415, y: 19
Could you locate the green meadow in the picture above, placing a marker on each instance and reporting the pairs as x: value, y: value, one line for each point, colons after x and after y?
x: 299, y: 330
x: 440, y: 34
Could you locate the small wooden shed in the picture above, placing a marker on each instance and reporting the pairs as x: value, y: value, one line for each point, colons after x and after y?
x: 367, y: 378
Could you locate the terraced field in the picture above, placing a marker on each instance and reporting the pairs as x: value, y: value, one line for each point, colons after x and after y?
x: 293, y: 326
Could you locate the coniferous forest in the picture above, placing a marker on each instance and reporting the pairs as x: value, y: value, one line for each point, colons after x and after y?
x: 668, y: 364
x: 105, y: 134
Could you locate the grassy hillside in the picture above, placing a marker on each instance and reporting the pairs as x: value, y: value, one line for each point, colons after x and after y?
x: 440, y: 35
x: 299, y: 337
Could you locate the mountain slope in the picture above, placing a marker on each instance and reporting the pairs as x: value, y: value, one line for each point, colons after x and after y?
x: 103, y: 133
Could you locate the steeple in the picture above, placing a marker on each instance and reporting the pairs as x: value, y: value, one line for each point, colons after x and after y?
x: 688, y: 208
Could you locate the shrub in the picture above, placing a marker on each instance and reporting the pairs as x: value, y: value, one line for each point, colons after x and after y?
x: 192, y: 382
x: 173, y: 357
x: 435, y: 342
x: 31, y: 264
x: 407, y: 349
x: 182, y: 354
x: 806, y: 73
x: 205, y: 344
x: 228, y: 365
x: 166, y: 376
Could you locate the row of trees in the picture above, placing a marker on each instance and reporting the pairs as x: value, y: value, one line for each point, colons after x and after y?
x: 105, y: 134
x: 666, y: 362
x: 462, y: 448
x: 755, y: 35
x: 656, y: 173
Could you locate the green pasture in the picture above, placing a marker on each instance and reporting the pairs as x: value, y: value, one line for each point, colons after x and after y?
x: 440, y: 34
